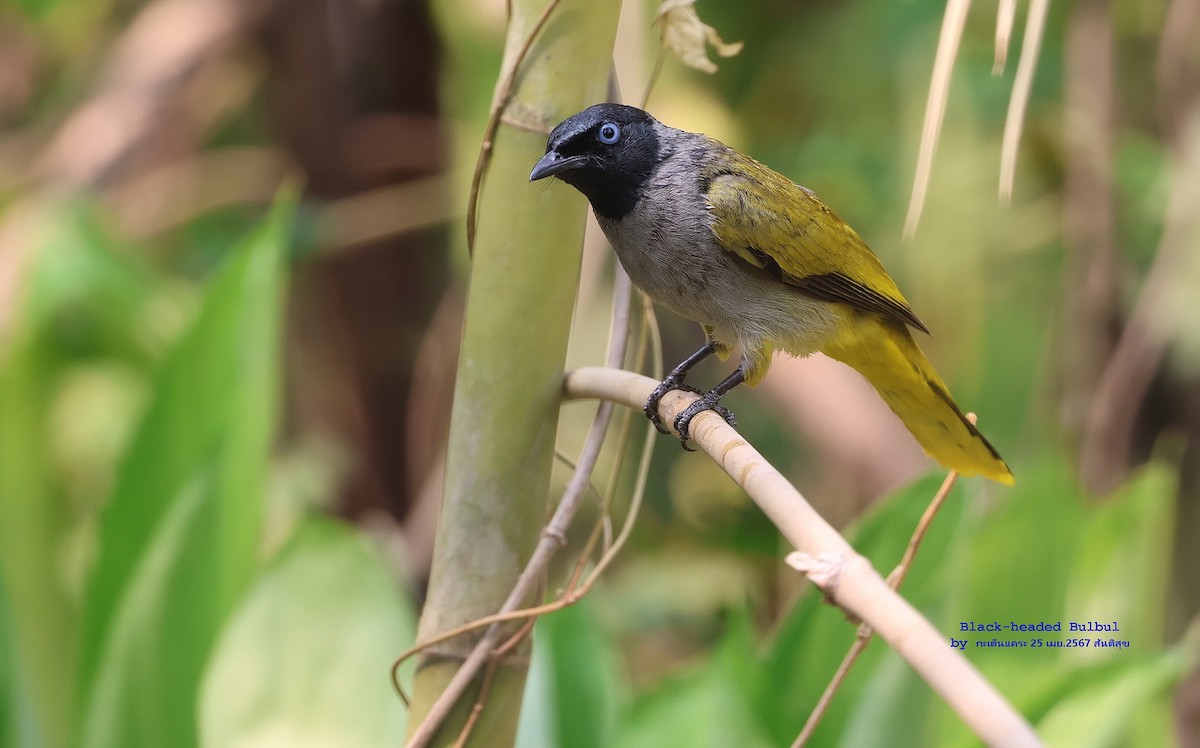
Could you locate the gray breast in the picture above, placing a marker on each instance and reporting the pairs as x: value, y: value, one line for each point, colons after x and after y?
x: 667, y: 246
x: 666, y: 242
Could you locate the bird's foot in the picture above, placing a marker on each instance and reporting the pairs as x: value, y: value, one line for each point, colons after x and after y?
x: 708, y: 401
x: 651, y: 407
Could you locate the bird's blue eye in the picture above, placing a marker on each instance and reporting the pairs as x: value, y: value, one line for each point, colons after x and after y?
x: 608, y: 133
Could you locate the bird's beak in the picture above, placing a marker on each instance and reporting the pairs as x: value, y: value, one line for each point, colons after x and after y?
x: 554, y: 163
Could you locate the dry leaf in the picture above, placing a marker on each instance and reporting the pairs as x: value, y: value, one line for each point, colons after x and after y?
x: 687, y: 37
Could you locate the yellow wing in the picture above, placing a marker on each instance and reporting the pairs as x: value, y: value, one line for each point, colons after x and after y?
x: 773, y: 223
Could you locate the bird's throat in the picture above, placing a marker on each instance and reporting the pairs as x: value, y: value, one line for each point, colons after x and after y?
x: 612, y: 196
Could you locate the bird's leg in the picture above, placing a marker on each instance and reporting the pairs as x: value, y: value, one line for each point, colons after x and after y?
x: 709, y: 401
x: 675, y: 381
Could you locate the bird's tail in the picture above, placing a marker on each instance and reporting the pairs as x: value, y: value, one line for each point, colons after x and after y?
x: 897, y: 368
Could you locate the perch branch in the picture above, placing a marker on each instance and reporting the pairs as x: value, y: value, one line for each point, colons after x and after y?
x: 846, y: 578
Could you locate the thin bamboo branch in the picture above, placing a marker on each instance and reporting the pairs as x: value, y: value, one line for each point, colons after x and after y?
x: 500, y: 101
x: 935, y: 107
x: 896, y: 578
x: 1006, y: 13
x: 1014, y: 123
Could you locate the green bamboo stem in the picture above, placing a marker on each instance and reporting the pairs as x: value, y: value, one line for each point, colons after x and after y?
x: 522, y: 293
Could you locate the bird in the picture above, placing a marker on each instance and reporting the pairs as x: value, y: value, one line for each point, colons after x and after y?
x: 761, y: 264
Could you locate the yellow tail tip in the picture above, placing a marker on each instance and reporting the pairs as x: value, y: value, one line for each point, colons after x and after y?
x: 998, y: 473
x: 998, y: 469
x: 1005, y: 479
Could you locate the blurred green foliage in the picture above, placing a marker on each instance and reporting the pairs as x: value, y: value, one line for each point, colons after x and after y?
x: 175, y: 554
x: 1071, y: 563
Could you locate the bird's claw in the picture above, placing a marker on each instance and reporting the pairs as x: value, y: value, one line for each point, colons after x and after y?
x: 665, y: 386
x: 683, y: 421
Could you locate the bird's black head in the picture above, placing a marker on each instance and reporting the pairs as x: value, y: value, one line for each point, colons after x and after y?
x: 607, y: 152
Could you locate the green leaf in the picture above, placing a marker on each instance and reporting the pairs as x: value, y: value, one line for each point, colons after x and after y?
x: 1019, y: 555
x: 571, y: 695
x: 893, y: 708
x: 710, y: 707
x: 1122, y: 566
x: 1105, y: 713
x: 80, y: 301
x: 304, y: 661
x: 199, y: 458
x: 34, y: 517
x: 144, y: 688
x: 1043, y: 554
x: 17, y: 725
x: 89, y: 298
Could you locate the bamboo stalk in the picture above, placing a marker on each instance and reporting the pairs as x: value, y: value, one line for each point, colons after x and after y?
x: 527, y: 249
